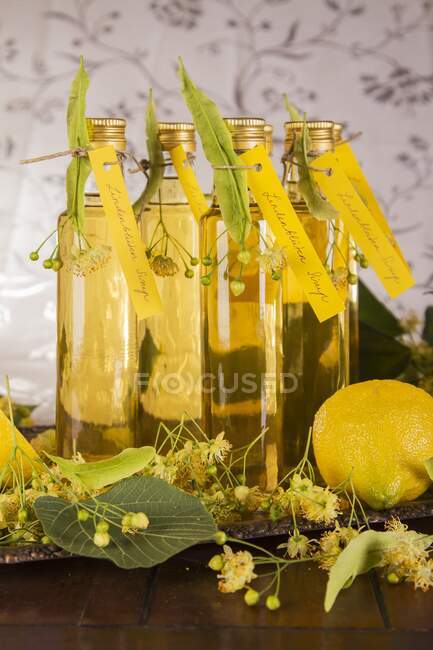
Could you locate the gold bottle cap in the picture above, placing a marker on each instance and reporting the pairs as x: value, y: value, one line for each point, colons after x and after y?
x: 173, y: 133
x: 338, y: 129
x: 321, y: 135
x: 107, y: 130
x: 269, y: 144
x: 246, y: 132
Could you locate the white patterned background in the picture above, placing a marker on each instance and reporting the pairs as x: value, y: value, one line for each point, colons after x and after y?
x: 368, y: 63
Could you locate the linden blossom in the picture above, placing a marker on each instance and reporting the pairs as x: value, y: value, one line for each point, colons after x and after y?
x: 121, y: 213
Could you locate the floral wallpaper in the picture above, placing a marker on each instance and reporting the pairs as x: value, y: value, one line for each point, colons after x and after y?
x: 363, y: 62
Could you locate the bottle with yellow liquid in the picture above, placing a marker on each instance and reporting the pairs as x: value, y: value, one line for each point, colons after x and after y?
x: 169, y: 343
x: 316, y: 355
x: 96, y: 328
x: 241, y: 330
x: 353, y: 298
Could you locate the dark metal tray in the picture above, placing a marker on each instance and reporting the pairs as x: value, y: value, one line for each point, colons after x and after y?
x: 256, y: 526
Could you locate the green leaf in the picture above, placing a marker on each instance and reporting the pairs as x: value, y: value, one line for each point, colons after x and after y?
x: 375, y: 314
x: 230, y: 184
x: 177, y: 521
x: 362, y: 554
x: 429, y: 467
x: 155, y: 155
x: 317, y: 205
x: 76, y: 122
x: 427, y: 332
x: 100, y: 473
x: 79, y: 167
x: 292, y: 111
x: 380, y: 356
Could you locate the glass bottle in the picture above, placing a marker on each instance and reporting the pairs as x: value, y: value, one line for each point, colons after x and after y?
x: 316, y: 355
x: 241, y: 334
x: 353, y: 320
x: 96, y: 328
x: 169, y: 343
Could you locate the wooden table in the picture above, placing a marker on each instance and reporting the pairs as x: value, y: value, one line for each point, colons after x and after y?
x: 84, y: 604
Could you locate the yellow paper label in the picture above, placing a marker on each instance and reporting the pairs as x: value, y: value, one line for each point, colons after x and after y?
x: 367, y: 233
x: 290, y: 234
x: 189, y: 182
x: 124, y: 232
x: 353, y: 171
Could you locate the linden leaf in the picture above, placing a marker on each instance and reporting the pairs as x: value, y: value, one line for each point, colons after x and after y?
x: 295, y: 116
x: 230, y: 184
x: 100, y: 473
x: 317, y: 205
x: 176, y: 521
x: 363, y: 553
x: 155, y: 155
x: 79, y: 168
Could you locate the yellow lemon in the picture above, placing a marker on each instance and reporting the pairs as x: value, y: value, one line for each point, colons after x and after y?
x: 380, y: 433
x: 26, y: 457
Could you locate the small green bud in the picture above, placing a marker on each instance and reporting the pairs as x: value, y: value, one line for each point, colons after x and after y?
x: 102, y: 526
x: 205, y: 279
x: 47, y: 264
x: 357, y: 257
x: 265, y: 505
x: 241, y: 478
x: 273, y: 603
x: 276, y: 275
x: 101, y: 540
x: 207, y: 260
x: 189, y: 273
x: 352, y: 278
x: 126, y: 520
x: 57, y: 264
x: 45, y: 540
x: 82, y: 515
x: 34, y: 256
x: 139, y: 520
x: 364, y: 262
x: 216, y: 563
x: 22, y: 516
x: 392, y: 578
x: 220, y: 537
x: 251, y: 597
x: 212, y: 470
x: 194, y: 261
x: 237, y: 287
x: 244, y: 257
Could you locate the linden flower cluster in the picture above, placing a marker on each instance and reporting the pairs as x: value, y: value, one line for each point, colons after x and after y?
x: 82, y: 262
x: 18, y: 521
x: 193, y: 465
x: 235, y: 570
x: 410, y: 559
x: 333, y: 542
x: 311, y: 501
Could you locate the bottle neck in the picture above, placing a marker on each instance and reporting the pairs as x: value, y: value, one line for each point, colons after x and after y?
x: 91, y: 188
x: 291, y: 175
x: 170, y: 190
